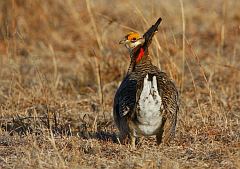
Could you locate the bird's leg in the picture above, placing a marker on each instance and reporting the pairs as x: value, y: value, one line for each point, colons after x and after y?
x: 133, y: 141
x: 118, y: 140
x: 159, y: 136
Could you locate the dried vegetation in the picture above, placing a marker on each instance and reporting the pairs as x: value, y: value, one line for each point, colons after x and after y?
x: 60, y: 65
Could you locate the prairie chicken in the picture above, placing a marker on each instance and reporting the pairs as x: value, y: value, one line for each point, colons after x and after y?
x: 146, y: 102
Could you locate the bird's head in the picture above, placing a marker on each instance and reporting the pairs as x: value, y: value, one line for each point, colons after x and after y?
x: 132, y: 40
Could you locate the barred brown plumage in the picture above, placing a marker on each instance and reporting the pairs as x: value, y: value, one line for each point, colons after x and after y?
x: 146, y: 103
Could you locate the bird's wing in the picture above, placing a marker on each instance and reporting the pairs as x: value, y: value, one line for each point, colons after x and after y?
x: 170, y: 101
x: 169, y: 94
x: 125, y: 98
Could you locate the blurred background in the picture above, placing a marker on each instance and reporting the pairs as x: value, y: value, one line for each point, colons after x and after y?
x: 63, y: 57
x: 70, y: 48
x: 68, y: 51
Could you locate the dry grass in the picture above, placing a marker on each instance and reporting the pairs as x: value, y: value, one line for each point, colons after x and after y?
x: 60, y: 65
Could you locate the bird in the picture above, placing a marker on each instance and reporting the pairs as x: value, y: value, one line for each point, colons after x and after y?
x: 147, y: 101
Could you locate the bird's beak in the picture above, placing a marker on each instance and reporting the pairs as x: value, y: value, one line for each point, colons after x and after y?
x: 123, y: 41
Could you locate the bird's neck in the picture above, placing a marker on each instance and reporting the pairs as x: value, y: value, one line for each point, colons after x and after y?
x: 139, y: 59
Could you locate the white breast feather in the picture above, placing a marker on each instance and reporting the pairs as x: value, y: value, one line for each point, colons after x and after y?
x: 150, y: 102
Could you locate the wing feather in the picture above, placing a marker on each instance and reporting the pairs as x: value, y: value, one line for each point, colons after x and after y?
x: 125, y: 98
x: 169, y: 93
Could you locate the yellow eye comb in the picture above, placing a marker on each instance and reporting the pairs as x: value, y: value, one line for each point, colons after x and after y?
x: 133, y: 35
